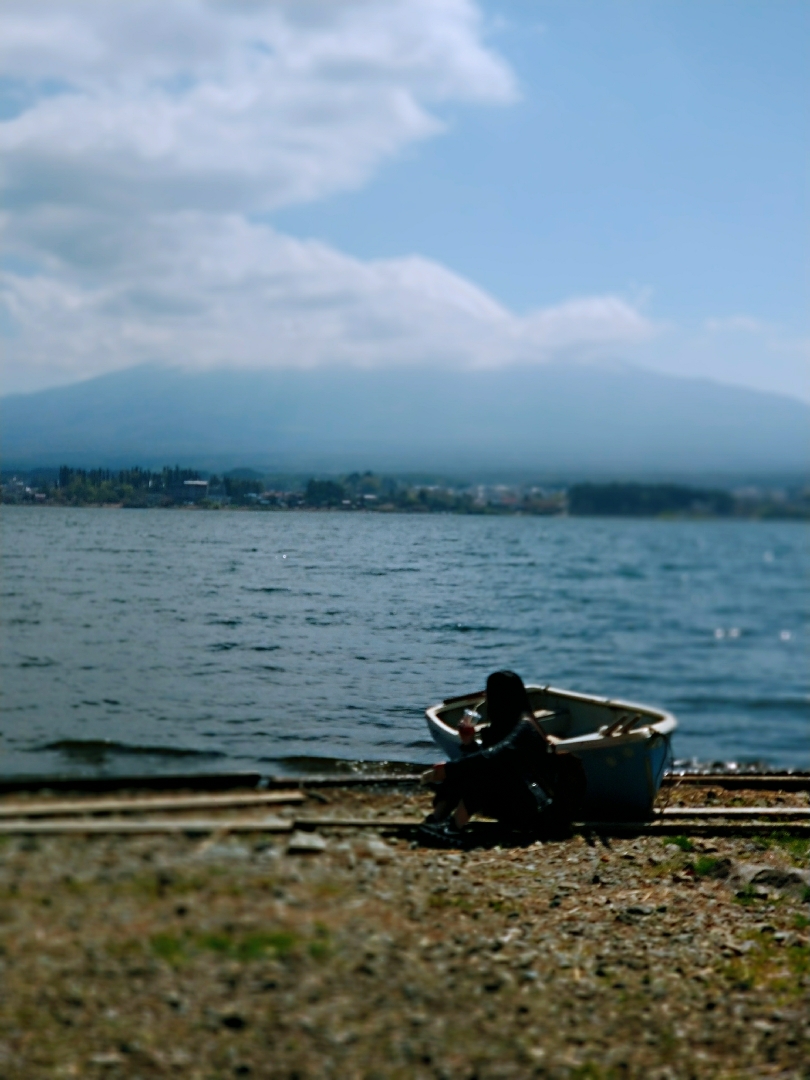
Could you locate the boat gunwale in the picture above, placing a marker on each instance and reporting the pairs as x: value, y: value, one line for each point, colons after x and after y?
x: 661, y: 723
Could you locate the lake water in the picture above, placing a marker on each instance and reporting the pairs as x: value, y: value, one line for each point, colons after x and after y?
x: 148, y: 641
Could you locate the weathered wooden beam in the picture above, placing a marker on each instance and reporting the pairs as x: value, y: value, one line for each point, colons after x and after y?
x: 691, y: 827
x: 160, y: 782
x: 192, y: 826
x: 108, y: 827
x: 62, y: 808
x: 735, y: 811
x: 357, y: 823
x: 741, y: 781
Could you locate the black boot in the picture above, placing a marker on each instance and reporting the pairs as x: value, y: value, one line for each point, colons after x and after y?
x: 442, y: 834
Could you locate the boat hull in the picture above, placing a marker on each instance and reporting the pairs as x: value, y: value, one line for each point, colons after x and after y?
x: 623, y: 746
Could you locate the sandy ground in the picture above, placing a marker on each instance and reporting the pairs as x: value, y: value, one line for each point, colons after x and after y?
x: 227, y: 956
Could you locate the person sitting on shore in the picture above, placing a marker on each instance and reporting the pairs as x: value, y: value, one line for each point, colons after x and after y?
x: 515, y: 776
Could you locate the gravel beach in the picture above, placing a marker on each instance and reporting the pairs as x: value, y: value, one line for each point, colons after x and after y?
x: 236, y: 955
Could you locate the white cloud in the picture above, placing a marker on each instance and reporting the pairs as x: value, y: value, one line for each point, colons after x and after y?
x: 215, y: 290
x: 148, y: 135
x: 228, y: 106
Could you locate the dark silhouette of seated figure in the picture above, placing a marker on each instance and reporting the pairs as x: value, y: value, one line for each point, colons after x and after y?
x: 507, y: 704
x: 515, y: 776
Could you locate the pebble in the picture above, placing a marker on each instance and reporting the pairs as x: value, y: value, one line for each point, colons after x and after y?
x: 305, y: 843
x: 214, y: 852
x: 376, y: 849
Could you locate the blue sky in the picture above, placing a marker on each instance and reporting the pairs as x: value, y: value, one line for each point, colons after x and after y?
x: 408, y: 181
x: 656, y: 146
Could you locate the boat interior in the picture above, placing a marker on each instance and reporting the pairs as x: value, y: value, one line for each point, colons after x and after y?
x: 563, y: 715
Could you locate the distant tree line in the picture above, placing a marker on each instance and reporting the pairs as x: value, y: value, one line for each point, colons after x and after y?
x: 647, y: 500
x: 137, y: 487
x: 130, y: 487
x: 371, y: 492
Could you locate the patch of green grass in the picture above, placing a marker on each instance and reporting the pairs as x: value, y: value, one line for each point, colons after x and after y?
x: 588, y: 1071
x: 746, y: 896
x: 739, y: 976
x: 782, y: 969
x: 244, y: 947
x: 706, y: 866
x: 168, y: 948
x: 320, y: 947
x: 326, y: 890
x: 460, y: 903
x: 798, y: 957
x: 683, y: 842
x: 319, y: 950
x: 749, y: 895
x: 249, y: 946
x: 255, y: 945
x: 801, y: 922
x: 796, y: 847
x: 221, y: 943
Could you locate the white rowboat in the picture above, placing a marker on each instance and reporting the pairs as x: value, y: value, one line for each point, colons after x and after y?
x: 623, y: 747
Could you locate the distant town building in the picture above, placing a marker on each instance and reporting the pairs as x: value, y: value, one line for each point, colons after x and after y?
x: 189, y: 491
x: 195, y: 489
x: 15, y: 490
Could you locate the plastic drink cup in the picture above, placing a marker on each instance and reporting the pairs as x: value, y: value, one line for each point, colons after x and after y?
x: 466, y: 727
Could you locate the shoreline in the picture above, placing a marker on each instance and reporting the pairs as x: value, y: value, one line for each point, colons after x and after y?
x: 354, y: 952
x: 138, y: 488
x: 766, y: 518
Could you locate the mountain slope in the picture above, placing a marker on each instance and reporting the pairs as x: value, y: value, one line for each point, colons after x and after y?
x: 542, y: 418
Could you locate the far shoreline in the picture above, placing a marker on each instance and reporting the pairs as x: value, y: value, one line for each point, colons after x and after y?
x: 788, y: 518
x: 367, y: 492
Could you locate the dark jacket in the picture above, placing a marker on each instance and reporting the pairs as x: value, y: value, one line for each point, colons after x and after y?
x: 521, y: 754
x: 518, y: 777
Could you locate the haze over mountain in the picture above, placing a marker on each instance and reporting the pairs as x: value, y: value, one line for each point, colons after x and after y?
x: 555, y: 418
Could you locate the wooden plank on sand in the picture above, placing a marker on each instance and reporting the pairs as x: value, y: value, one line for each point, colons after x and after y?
x: 108, y: 827
x: 55, y: 808
x: 741, y: 781
x: 735, y: 811
x: 357, y: 823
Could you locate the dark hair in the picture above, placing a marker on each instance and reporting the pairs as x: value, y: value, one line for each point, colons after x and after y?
x: 507, y: 703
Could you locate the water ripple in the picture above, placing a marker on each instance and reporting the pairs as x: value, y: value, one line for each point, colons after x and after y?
x: 114, y: 642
